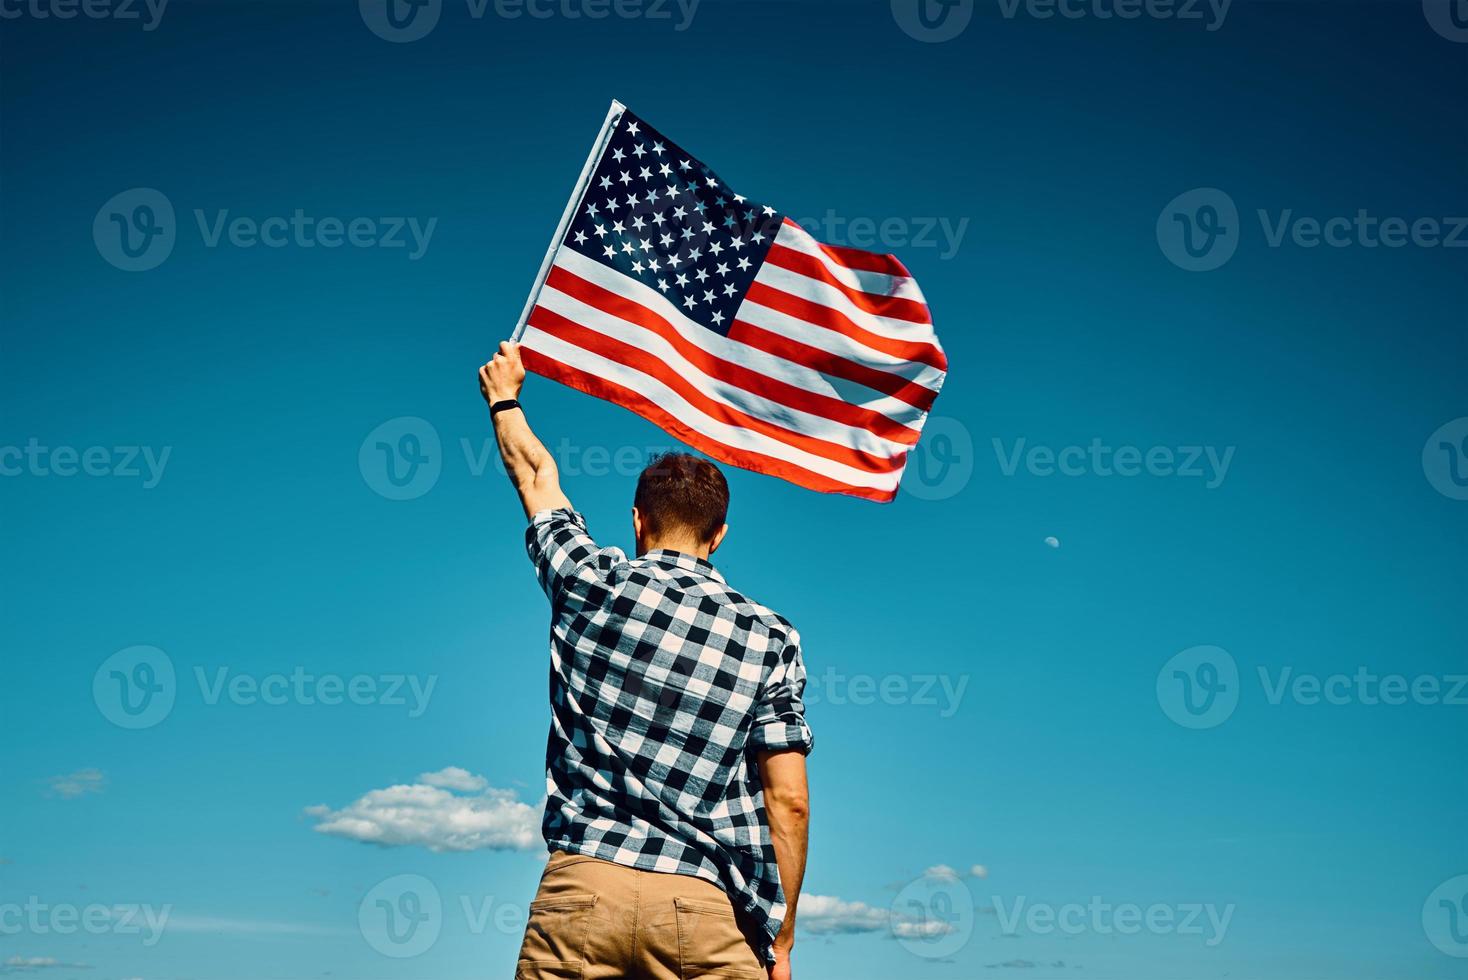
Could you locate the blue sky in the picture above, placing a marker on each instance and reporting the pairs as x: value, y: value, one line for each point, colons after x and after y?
x: 1005, y: 745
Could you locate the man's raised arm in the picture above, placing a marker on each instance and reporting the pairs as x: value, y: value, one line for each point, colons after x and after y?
x: 531, y: 467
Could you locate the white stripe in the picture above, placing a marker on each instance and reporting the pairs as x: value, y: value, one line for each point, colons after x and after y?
x: 829, y: 296
x: 778, y: 413
x: 755, y: 359
x: 734, y: 437
x: 876, y: 283
x: 794, y: 328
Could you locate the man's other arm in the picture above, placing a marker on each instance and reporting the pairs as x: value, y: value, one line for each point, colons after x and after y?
x: 530, y: 466
x: 787, y: 804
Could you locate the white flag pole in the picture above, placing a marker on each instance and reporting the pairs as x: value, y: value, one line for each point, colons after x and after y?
x: 614, y: 115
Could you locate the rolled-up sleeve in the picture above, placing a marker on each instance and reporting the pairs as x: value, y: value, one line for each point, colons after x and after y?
x: 779, y: 720
x: 562, y: 551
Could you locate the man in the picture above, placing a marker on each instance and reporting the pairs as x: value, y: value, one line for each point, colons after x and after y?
x: 677, y: 805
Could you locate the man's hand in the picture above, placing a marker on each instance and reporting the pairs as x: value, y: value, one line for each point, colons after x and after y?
x: 502, y: 378
x: 780, y: 969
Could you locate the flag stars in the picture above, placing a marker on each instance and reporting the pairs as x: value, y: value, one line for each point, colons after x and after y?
x: 639, y: 152
x: 638, y: 223
x: 657, y: 148
x: 717, y: 317
x: 626, y: 178
x: 632, y: 128
x: 605, y: 182
x: 688, y: 301
x: 730, y: 289
x: 611, y: 252
x: 627, y: 247
x: 716, y: 248
x: 743, y: 264
x: 722, y: 269
x: 580, y: 237
x: 702, y: 276
x: 599, y: 230
x: 663, y: 285
x: 618, y: 155
x: 664, y: 170
x: 617, y: 227
x: 645, y: 173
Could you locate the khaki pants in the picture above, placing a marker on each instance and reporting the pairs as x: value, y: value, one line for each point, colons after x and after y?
x: 594, y: 920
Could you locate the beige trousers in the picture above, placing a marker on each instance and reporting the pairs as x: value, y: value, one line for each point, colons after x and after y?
x: 595, y: 920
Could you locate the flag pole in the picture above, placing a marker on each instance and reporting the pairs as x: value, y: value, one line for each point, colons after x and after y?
x: 614, y: 115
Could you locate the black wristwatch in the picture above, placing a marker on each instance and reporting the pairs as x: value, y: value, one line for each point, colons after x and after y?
x: 502, y: 405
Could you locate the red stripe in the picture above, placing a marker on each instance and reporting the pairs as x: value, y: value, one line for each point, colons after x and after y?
x: 604, y: 299
x: 824, y: 316
x: 600, y: 387
x: 652, y: 366
x: 820, y: 359
x: 802, y: 263
x: 856, y: 258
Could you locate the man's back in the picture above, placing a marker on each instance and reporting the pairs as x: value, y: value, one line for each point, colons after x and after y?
x: 663, y: 680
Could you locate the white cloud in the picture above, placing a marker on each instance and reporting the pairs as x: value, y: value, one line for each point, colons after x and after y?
x: 1053, y: 541
x: 953, y: 874
x: 455, y: 778
x: 78, y: 783
x: 221, y: 924
x: 448, y: 810
x: 17, y: 963
x: 824, y: 915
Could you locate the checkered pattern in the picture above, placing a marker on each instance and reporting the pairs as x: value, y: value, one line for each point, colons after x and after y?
x: 663, y: 681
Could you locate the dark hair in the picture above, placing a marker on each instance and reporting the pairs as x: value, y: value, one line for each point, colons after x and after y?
x: 682, y: 492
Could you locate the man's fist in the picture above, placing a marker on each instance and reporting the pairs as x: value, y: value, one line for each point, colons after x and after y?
x: 502, y: 377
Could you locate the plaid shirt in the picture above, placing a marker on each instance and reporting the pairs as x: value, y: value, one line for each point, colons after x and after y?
x: 663, y: 681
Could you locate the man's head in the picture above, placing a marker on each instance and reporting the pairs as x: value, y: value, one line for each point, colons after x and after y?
x: 681, y: 503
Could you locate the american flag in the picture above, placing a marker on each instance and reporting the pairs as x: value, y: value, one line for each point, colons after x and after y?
x: 725, y: 323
